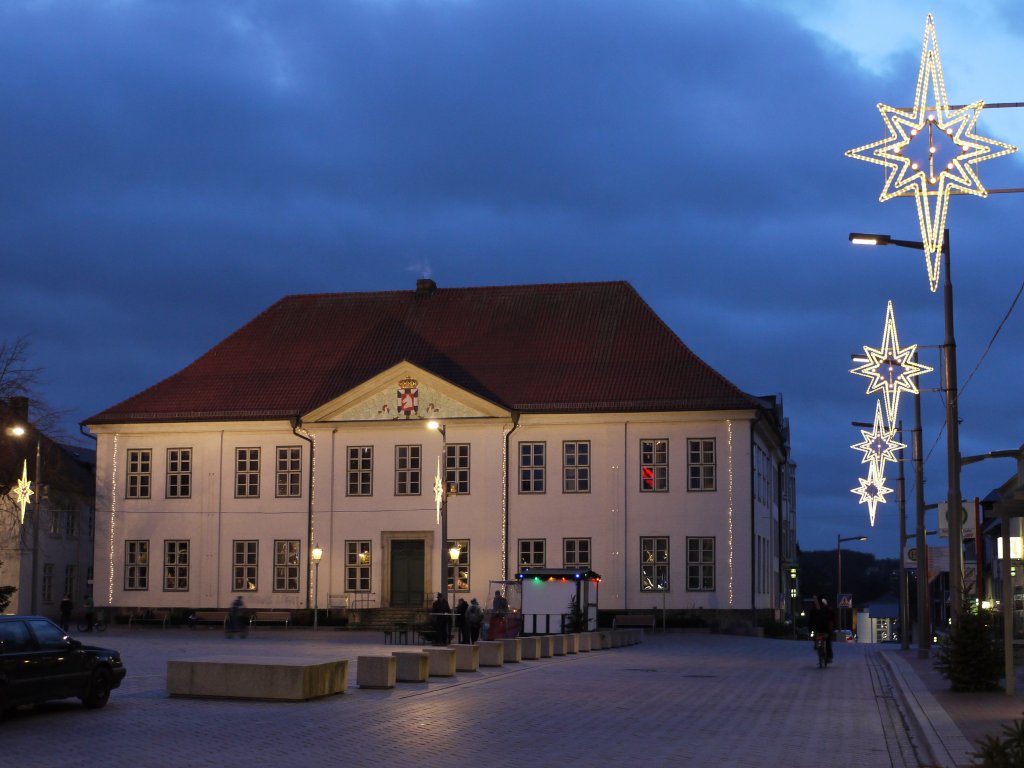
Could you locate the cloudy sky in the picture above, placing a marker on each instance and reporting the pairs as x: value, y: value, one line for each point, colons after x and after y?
x: 172, y: 167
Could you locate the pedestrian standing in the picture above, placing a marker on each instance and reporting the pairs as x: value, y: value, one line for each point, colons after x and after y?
x: 235, y: 618
x: 474, y: 618
x: 460, y: 620
x: 66, y: 607
x: 90, y: 613
x: 439, y: 613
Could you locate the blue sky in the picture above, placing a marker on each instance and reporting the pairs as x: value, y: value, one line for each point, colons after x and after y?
x: 172, y: 168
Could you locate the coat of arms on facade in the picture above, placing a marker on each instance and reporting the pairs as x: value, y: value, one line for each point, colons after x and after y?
x: 408, y: 398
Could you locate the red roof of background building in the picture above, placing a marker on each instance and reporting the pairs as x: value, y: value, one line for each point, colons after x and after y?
x: 572, y: 347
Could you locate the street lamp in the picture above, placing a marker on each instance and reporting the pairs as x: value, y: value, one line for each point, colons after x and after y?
x: 839, y: 570
x: 19, y: 430
x: 317, y: 553
x: 956, y: 554
x: 441, y: 494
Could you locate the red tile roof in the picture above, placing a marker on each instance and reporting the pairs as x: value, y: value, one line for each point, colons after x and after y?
x: 573, y: 347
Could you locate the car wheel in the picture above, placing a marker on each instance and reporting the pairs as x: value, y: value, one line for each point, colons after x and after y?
x: 99, y: 689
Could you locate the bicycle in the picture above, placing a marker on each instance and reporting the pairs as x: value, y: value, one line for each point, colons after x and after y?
x: 822, y: 648
x: 98, y: 624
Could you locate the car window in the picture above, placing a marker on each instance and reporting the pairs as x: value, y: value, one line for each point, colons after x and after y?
x: 48, y: 635
x: 14, y: 637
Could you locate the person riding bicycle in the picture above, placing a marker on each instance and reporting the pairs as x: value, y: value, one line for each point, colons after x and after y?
x: 823, y: 624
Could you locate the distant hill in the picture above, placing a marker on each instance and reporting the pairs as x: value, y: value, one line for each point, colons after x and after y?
x: 865, y: 576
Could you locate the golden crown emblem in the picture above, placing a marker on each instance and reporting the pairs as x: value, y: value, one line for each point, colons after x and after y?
x: 408, y: 383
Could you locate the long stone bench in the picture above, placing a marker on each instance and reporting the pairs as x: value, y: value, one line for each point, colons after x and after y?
x: 492, y: 653
x: 273, y: 678
x: 411, y: 666
x: 376, y: 671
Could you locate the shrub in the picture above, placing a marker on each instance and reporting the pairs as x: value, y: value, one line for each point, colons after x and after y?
x: 1005, y: 752
x: 971, y: 656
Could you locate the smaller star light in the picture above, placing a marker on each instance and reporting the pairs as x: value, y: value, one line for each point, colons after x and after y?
x: 891, y: 369
x: 24, y: 490
x: 872, y: 490
x: 931, y: 152
x: 438, y: 491
x: 879, y: 444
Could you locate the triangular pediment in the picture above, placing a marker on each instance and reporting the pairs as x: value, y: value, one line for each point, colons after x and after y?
x: 405, y: 391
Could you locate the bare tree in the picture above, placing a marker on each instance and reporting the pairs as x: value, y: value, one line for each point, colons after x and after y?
x: 20, y: 379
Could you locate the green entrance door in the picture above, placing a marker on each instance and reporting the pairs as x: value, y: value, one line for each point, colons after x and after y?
x: 407, y: 573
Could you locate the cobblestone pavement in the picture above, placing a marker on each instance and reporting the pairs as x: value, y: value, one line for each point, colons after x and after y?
x: 676, y: 699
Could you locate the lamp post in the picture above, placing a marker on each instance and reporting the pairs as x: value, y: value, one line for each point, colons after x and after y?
x: 956, y: 554
x: 443, y: 502
x: 317, y: 553
x: 839, y: 569
x: 19, y: 430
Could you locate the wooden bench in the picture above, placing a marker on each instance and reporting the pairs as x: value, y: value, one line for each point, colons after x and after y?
x: 208, y: 617
x: 641, y: 620
x: 150, y: 616
x: 399, y: 633
x: 271, y: 617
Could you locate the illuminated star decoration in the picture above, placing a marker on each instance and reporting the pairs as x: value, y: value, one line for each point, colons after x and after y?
x: 24, y: 490
x: 872, y: 490
x: 438, y: 490
x: 879, y: 444
x: 892, y: 369
x: 931, y: 152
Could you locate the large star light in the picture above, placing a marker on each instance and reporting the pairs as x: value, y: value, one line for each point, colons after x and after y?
x: 872, y: 490
x: 24, y: 490
x: 931, y: 152
x: 879, y: 444
x: 891, y: 369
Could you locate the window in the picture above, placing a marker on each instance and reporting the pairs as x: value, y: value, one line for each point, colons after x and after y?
x: 357, y: 566
x: 247, y: 472
x: 700, y: 564
x: 286, y: 566
x: 576, y: 467
x: 654, y: 563
x: 289, y: 470
x: 179, y: 473
x: 531, y: 467
x: 654, y: 466
x: 531, y: 553
x: 245, y: 566
x: 47, y: 582
x: 55, y: 517
x: 71, y: 524
x: 70, y: 580
x: 456, y: 468
x: 140, y: 465
x: 458, y: 569
x: 136, y: 565
x: 360, y: 470
x: 407, y: 470
x: 701, y: 465
x: 576, y: 553
x: 176, y: 566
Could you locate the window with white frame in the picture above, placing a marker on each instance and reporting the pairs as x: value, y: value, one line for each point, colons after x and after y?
x: 140, y: 467
x: 71, y: 524
x: 531, y: 467
x: 576, y: 553
x: 176, y: 565
x: 576, y: 466
x: 136, y: 564
x: 458, y: 569
x: 531, y: 553
x: 407, y: 470
x: 358, y: 576
x: 286, y: 565
x: 247, y: 472
x: 654, y: 564
x: 700, y: 563
x: 179, y: 473
x: 360, y: 470
x: 456, y: 468
x: 654, y: 465
x: 700, y: 464
x: 289, y: 470
x: 245, y: 566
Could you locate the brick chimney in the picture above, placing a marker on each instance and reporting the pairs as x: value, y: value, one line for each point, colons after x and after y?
x: 425, y: 286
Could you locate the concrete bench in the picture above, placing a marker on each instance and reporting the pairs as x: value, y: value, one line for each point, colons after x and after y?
x: 150, y: 616
x: 641, y: 620
x: 272, y: 678
x: 492, y: 653
x: 283, y: 618
x: 442, y: 661
x: 411, y: 666
x: 513, y: 649
x: 376, y: 671
x: 208, y: 617
x: 605, y: 636
x: 547, y: 646
x: 530, y: 647
x: 572, y: 643
x: 584, y: 642
x: 558, y: 645
x: 467, y: 658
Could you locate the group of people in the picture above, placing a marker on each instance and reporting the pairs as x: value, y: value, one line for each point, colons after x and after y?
x: 469, y: 618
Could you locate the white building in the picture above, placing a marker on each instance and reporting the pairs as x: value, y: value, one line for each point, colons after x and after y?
x: 580, y: 432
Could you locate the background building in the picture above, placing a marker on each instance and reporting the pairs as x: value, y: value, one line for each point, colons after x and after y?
x: 579, y: 431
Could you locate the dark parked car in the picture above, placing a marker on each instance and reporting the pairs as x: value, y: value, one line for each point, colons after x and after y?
x: 39, y: 662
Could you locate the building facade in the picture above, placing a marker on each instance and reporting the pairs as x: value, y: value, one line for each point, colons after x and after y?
x: 577, y: 431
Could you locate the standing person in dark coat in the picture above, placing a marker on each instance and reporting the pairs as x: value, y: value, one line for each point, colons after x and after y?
x: 66, y: 607
x: 90, y: 613
x: 460, y: 621
x: 439, y: 613
x: 474, y: 618
x: 235, y: 618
